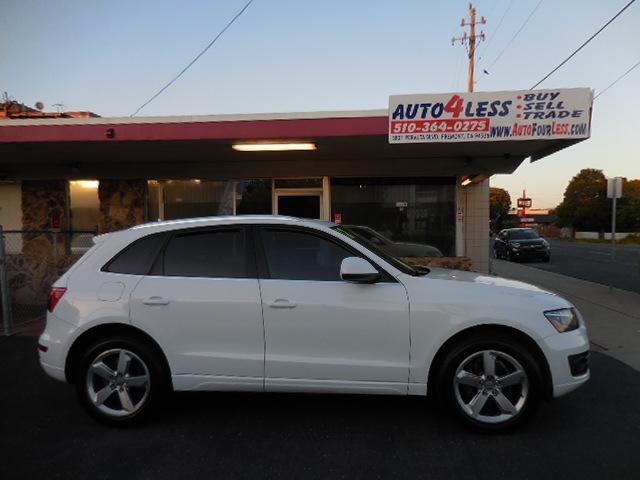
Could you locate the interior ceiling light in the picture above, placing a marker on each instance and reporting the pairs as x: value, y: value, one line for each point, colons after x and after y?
x: 465, y: 182
x: 272, y: 147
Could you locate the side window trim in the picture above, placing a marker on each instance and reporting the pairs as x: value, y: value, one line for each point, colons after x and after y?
x: 250, y: 270
x: 263, y: 267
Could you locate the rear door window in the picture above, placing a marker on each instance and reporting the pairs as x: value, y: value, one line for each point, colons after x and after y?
x: 212, y: 254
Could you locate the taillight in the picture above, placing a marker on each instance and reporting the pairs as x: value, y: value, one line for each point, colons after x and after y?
x: 55, y: 295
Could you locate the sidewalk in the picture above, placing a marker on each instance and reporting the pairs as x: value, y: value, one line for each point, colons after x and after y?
x: 612, y: 315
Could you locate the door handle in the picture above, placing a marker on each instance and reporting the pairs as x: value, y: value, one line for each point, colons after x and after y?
x: 156, y: 301
x: 282, y: 303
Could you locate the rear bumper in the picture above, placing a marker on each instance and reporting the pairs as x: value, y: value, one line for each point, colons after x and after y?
x: 55, y: 339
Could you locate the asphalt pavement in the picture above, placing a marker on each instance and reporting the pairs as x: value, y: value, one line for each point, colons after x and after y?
x: 591, y: 433
x: 592, y: 262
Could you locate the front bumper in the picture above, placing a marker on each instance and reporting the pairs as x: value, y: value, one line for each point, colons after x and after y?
x: 530, y: 253
x: 558, y: 348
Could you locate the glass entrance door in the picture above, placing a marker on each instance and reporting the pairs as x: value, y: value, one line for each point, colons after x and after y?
x: 299, y: 205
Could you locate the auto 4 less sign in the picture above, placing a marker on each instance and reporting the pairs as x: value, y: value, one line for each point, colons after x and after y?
x: 491, y: 116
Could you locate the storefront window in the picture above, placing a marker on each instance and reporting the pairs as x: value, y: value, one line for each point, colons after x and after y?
x: 253, y: 197
x: 408, y: 212
x: 85, y: 213
x: 173, y: 199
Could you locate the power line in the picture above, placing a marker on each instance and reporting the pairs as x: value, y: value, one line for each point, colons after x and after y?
x: 515, y: 35
x: 496, y: 30
x: 195, y: 59
x: 617, y: 80
x: 584, y: 44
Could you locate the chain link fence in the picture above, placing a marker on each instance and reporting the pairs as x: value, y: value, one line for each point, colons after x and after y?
x: 30, y: 261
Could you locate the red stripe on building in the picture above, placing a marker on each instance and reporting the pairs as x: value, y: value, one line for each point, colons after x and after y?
x: 232, y: 130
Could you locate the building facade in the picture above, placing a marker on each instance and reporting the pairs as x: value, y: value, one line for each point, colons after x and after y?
x: 104, y: 174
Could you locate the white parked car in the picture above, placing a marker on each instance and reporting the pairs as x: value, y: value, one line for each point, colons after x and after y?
x: 265, y: 303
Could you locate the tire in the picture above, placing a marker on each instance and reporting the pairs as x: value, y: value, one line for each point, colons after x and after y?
x: 120, y: 380
x: 508, y: 256
x: 482, y: 401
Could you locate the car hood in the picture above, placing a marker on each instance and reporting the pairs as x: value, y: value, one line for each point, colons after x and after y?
x: 506, y: 285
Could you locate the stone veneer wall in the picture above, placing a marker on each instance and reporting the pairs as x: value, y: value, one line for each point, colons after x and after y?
x: 41, y: 201
x: 43, y: 258
x: 122, y: 204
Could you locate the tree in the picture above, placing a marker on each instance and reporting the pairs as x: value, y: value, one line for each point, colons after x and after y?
x: 585, y: 205
x: 628, y: 218
x: 499, y: 202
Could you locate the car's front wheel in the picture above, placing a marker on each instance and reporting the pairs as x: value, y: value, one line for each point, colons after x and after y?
x: 119, y: 380
x: 491, y: 383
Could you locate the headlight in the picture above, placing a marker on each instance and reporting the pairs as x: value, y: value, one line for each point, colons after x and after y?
x: 515, y: 245
x: 564, y: 319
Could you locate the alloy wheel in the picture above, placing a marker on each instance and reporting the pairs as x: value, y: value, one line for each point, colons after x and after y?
x: 491, y: 386
x: 118, y: 382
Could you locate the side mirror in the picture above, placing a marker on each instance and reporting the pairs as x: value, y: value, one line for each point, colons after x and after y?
x: 358, y: 270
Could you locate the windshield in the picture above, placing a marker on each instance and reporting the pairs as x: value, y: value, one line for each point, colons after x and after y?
x: 368, y: 234
x: 523, y: 235
x: 352, y: 233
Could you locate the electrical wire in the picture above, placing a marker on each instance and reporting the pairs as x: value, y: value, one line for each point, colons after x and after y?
x: 584, y: 44
x: 495, y: 31
x: 617, y: 80
x: 242, y: 10
x: 515, y: 35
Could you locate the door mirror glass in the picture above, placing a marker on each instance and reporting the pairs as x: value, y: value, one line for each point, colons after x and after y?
x: 358, y: 270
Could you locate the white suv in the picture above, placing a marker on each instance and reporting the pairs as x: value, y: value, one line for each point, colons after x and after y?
x: 265, y: 303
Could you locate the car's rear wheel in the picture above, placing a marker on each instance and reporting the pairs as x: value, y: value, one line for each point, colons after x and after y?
x: 120, y: 380
x: 491, y: 383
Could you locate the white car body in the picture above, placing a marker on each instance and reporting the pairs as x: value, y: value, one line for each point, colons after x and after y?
x: 297, y: 335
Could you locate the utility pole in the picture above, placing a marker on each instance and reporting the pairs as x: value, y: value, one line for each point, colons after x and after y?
x: 472, y: 37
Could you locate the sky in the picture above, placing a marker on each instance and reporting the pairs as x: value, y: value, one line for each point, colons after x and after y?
x: 306, y: 55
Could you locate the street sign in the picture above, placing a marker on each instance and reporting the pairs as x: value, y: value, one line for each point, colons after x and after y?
x: 524, y: 203
x: 614, y: 187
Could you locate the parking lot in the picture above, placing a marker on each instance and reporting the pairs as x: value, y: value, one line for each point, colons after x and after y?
x: 591, y: 433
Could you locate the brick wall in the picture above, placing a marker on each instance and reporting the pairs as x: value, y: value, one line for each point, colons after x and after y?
x: 476, y: 225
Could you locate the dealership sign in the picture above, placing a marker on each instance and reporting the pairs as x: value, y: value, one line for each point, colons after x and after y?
x: 524, y: 202
x: 491, y: 116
